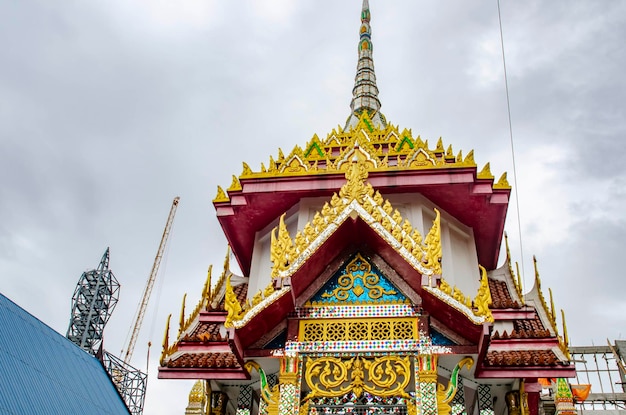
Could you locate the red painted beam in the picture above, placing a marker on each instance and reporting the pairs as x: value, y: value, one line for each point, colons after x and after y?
x: 196, y: 373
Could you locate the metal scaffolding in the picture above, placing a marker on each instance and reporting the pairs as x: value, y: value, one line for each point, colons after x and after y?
x: 130, y: 382
x: 602, y: 367
x: 94, y: 299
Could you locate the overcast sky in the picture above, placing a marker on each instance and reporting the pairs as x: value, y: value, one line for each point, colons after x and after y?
x: 110, y: 109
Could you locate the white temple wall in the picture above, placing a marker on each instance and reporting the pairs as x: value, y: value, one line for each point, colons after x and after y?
x: 459, y: 258
x: 261, y: 266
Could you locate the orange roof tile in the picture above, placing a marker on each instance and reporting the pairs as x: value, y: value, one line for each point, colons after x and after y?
x: 500, y: 296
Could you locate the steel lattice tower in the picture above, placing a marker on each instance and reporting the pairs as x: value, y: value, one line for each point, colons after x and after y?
x: 93, y: 302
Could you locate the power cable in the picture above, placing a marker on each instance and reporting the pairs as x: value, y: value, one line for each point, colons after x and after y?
x: 516, y: 188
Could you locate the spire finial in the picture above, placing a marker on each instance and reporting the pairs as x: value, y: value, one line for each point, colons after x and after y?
x: 365, y: 91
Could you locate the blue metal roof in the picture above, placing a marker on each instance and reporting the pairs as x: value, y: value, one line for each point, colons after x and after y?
x: 43, y: 372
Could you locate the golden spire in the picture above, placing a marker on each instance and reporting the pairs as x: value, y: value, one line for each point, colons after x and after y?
x: 365, y: 91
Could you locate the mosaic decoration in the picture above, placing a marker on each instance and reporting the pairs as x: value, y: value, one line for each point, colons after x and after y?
x: 457, y: 406
x: 485, y: 403
x: 398, y: 346
x: 359, y: 282
x: 381, y: 310
x: 564, y: 399
x: 439, y: 339
x: 358, y: 329
x: 426, y: 378
x: 289, y: 398
x: 244, y: 400
x: 365, y: 404
x: 289, y: 384
x: 384, y: 376
x: 418, y: 393
x: 428, y: 398
x: 272, y: 380
x: 422, y: 346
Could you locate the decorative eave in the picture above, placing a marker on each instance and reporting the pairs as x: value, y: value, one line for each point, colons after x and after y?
x: 203, y: 347
x: 357, y: 201
x: 548, y: 315
x: 387, y: 148
x: 453, y: 182
x: 357, y: 198
x: 477, y: 310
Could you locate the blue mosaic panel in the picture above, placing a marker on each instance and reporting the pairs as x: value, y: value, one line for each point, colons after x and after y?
x: 439, y: 339
x: 358, y: 282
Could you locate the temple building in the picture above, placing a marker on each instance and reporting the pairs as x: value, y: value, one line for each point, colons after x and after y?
x: 370, y: 284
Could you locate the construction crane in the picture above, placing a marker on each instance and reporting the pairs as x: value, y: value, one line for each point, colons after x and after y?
x: 150, y: 283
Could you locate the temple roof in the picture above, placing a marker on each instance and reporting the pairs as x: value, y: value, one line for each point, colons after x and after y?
x: 397, y: 162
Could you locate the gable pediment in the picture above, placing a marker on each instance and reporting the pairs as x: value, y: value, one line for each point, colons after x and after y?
x: 358, y: 282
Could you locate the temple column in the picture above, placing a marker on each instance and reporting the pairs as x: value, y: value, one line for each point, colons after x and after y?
x: 426, y: 384
x: 289, y: 384
x: 532, y: 390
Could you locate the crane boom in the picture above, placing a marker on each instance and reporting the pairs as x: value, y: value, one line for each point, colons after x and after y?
x: 150, y: 282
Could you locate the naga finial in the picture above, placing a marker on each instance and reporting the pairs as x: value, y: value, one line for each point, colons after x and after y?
x: 445, y: 395
x: 232, y: 305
